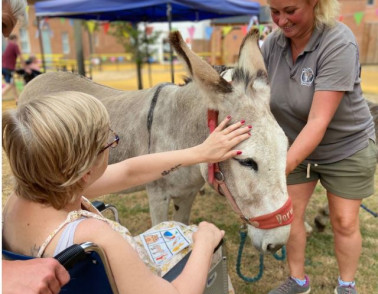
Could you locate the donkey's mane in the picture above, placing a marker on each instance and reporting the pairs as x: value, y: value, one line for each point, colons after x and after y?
x: 220, y: 69
x: 241, y: 75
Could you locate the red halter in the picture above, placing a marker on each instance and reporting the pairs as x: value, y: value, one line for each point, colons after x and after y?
x: 281, y: 217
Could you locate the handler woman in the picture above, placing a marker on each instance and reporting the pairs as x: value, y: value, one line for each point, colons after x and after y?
x: 314, y: 71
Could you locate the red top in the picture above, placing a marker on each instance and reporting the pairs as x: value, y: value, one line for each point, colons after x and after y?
x: 10, y: 56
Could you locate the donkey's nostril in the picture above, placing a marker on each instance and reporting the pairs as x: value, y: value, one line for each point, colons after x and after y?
x: 273, y: 248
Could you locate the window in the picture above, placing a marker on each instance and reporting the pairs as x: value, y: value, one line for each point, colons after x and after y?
x: 96, y: 40
x: 370, y: 2
x: 65, y: 43
x: 25, y: 42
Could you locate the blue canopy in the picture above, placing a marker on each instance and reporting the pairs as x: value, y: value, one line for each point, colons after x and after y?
x: 146, y: 10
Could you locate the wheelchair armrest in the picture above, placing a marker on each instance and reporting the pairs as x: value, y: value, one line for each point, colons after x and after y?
x: 102, y: 207
x: 179, y: 267
x: 99, y: 205
x: 70, y: 256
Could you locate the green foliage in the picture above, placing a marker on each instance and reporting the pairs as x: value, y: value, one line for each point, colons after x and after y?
x: 135, y: 41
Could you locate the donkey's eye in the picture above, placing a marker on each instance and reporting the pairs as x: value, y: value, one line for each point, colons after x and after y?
x: 248, y: 162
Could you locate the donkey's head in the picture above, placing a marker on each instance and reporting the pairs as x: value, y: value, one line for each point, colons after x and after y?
x: 255, y: 179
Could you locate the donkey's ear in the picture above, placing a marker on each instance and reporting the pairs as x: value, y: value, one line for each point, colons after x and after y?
x: 250, y: 57
x: 203, y: 74
x: 250, y: 72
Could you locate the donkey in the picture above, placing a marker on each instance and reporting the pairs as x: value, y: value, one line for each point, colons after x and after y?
x: 169, y: 116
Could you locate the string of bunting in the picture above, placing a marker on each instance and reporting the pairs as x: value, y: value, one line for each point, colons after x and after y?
x: 358, y: 16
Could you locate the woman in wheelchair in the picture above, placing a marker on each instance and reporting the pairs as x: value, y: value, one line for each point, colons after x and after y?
x: 58, y: 148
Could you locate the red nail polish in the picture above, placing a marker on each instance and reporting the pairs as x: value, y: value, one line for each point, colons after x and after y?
x: 242, y: 121
x: 239, y: 152
x: 228, y: 116
x: 250, y: 126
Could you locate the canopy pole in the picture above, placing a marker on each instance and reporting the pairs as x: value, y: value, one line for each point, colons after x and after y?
x: 169, y: 17
x: 41, y: 43
x: 79, y: 47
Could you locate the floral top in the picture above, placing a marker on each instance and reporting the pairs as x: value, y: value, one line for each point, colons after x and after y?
x: 89, y: 211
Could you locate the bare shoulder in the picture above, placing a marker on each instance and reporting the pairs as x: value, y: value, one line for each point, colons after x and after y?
x: 96, y: 231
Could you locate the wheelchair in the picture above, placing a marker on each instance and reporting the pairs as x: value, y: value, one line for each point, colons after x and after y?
x: 90, y: 272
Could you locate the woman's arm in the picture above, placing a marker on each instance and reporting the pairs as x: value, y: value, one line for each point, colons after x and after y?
x: 133, y: 276
x: 205, y: 240
x: 146, y: 168
x: 323, y: 108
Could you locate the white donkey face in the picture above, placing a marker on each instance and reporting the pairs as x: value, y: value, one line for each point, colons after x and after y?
x: 256, y: 178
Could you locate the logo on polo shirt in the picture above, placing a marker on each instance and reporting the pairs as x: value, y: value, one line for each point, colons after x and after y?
x: 307, y: 76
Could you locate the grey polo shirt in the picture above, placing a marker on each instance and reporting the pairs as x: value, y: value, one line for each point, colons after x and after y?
x: 330, y: 62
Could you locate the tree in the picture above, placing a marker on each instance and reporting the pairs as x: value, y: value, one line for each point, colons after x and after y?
x: 137, y: 42
x: 91, y: 26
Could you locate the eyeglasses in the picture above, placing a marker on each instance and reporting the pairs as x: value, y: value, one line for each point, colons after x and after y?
x: 112, y: 144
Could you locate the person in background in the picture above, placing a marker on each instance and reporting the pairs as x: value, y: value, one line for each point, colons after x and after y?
x: 39, y: 275
x: 314, y: 71
x: 31, y: 69
x: 9, y: 59
x: 58, y: 149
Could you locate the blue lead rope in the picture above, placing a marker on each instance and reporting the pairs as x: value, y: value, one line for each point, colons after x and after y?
x: 369, y: 211
x: 243, y: 236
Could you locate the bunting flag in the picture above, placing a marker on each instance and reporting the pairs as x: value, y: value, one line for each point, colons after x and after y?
x: 341, y: 18
x: 261, y: 29
x: 226, y: 30
x: 208, y: 32
x: 358, y: 17
x: 106, y: 27
x: 125, y: 34
x: 71, y: 22
x: 62, y: 20
x: 376, y: 12
x: 27, y: 9
x: 91, y: 26
x: 244, y: 30
x: 191, y: 31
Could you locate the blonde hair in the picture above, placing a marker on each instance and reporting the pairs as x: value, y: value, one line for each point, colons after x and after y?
x: 326, y: 12
x: 18, y: 8
x: 51, y: 142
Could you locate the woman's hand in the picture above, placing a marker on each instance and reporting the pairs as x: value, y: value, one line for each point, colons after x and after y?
x: 208, y: 234
x: 218, y: 146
